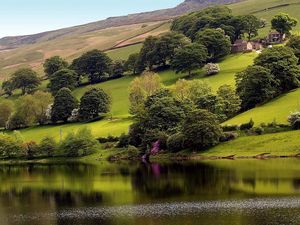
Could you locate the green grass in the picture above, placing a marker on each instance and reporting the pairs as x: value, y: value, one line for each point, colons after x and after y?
x: 278, y: 109
x: 123, y: 53
x: 285, y: 143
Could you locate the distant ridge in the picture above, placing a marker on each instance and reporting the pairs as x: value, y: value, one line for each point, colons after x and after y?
x: 159, y: 15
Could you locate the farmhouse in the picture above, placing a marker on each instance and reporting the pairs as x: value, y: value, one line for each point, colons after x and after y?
x: 245, y: 46
x: 275, y: 37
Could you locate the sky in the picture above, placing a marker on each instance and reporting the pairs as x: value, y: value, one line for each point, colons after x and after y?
x: 20, y: 17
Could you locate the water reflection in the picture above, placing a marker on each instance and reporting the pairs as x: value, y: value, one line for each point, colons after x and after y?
x: 215, y: 192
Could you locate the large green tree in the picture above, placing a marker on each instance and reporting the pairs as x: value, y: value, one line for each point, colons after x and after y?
x: 64, y: 104
x: 54, y: 64
x: 283, y: 65
x: 25, y: 79
x: 64, y: 78
x: 131, y: 64
x: 294, y: 43
x: 251, y: 24
x: 230, y: 101
x: 255, y: 85
x: 95, y: 64
x: 92, y: 103
x: 283, y: 23
x: 6, y: 109
x: 201, y: 129
x: 189, y: 58
x: 216, y: 42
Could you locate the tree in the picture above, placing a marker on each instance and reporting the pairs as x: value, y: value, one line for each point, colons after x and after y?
x: 131, y: 64
x: 54, y: 64
x: 25, y: 79
x: 42, y: 102
x: 251, y: 26
x: 201, y: 129
x: 283, y: 23
x: 255, y: 85
x: 147, y: 56
x: 6, y: 110
x: 47, y: 146
x: 95, y: 64
x: 213, y: 104
x: 189, y: 58
x: 8, y: 87
x: 230, y: 101
x: 64, y: 78
x: 64, y: 103
x: 212, y: 69
x: 140, y: 89
x: 294, y: 43
x: 164, y: 114
x: 190, y: 90
x: 216, y: 42
x: 166, y: 45
x: 283, y: 65
x: 117, y: 68
x: 79, y: 144
x: 10, y: 147
x: 92, y: 103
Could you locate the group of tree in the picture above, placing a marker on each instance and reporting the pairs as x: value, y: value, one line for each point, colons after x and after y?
x: 77, y: 144
x: 189, y: 112
x: 218, y: 17
x: 275, y: 71
x: 41, y: 108
x: 66, y: 108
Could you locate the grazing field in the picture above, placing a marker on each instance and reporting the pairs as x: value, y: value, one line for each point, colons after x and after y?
x: 285, y: 143
x: 267, y: 9
x: 118, y: 121
x: 278, y: 109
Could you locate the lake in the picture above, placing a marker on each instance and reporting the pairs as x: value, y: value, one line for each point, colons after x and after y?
x: 221, y: 192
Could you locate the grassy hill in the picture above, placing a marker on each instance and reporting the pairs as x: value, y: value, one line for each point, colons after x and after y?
x: 118, y: 89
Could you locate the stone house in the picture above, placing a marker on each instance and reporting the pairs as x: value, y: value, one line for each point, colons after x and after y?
x: 245, y: 46
x: 275, y: 37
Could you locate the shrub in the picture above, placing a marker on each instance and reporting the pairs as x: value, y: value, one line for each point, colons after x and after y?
x: 31, y: 149
x: 212, y: 69
x: 176, y: 142
x: 123, y: 141
x: 229, y: 127
x: 258, y: 130
x: 228, y: 136
x: 108, y: 139
x: 247, y: 126
x: 293, y: 117
x: 133, y: 152
x: 152, y: 136
x: 10, y: 147
x: 80, y: 144
x: 296, y: 125
x: 47, y: 146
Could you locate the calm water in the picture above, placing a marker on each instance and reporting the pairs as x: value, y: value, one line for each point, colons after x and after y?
x: 245, y: 192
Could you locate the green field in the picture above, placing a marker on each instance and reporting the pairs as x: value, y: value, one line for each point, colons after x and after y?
x: 118, y: 89
x: 280, y: 144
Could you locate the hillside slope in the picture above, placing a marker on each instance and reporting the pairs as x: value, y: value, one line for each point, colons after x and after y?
x: 159, y: 15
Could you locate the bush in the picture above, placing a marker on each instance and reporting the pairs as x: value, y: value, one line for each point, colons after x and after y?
x: 47, y: 146
x: 80, y: 144
x: 230, y: 127
x: 176, y: 142
x: 258, y: 130
x: 31, y: 149
x: 296, y: 125
x: 247, y: 126
x: 133, y: 152
x: 123, y: 141
x: 293, y: 118
x: 212, y: 69
x: 10, y: 147
x: 108, y: 139
x: 151, y: 136
x: 229, y: 136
